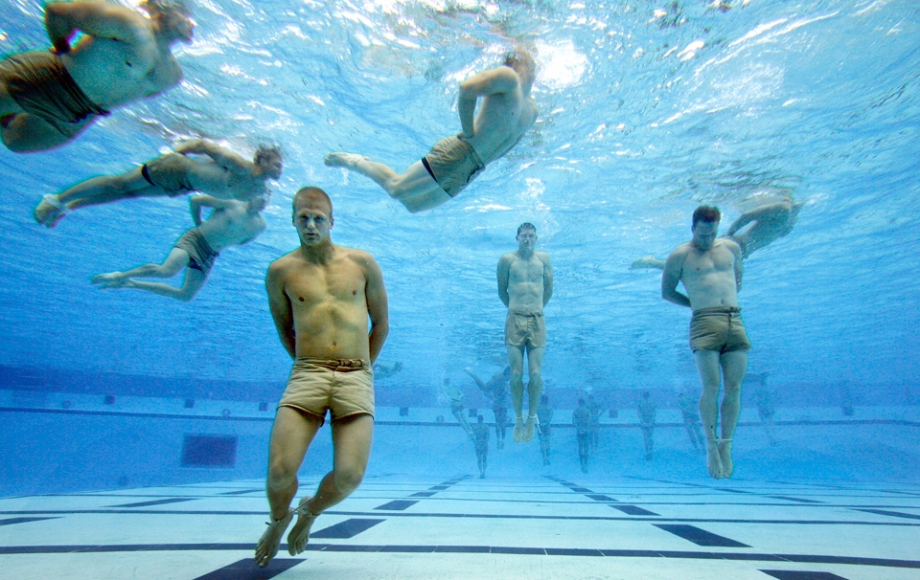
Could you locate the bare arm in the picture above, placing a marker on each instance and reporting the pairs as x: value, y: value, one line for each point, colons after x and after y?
x: 280, y: 307
x: 98, y: 19
x: 771, y: 211
x: 547, y: 279
x: 196, y: 202
x: 504, y: 268
x: 670, y: 277
x: 377, y: 309
x: 224, y: 157
x: 482, y: 386
x: 491, y: 82
x: 739, y: 265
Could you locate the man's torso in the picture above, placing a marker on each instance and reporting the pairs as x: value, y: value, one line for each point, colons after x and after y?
x: 328, y: 304
x: 502, y: 120
x: 212, y: 178
x: 709, y: 277
x: 231, y: 227
x: 525, y: 282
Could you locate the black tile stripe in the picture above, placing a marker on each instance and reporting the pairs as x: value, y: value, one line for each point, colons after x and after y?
x: 347, y: 529
x: 796, y: 575
x: 397, y: 504
x: 699, y: 536
x: 599, y: 497
x: 248, y: 570
x: 403, y: 504
x: 634, y: 510
x: 890, y: 513
x: 316, y: 547
x: 154, y: 502
x: 11, y: 521
x: 241, y: 492
x: 798, y: 499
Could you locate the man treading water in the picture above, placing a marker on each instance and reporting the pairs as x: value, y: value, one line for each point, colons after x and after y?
x: 710, y: 270
x: 321, y: 296
x: 506, y: 113
x: 525, y: 285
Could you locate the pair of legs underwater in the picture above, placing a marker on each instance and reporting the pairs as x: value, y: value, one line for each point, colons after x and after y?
x: 292, y: 433
x: 524, y: 432
x: 714, y: 369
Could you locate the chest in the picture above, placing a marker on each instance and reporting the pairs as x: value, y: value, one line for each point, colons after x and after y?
x: 526, y: 271
x: 342, y: 282
x: 718, y: 259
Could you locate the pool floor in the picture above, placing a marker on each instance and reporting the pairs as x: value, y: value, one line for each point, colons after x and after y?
x: 465, y: 527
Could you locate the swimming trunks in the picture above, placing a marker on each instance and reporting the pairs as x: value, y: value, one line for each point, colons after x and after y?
x: 169, y: 172
x: 40, y: 84
x: 200, y: 254
x: 719, y: 328
x: 345, y: 388
x: 525, y: 328
x: 453, y: 163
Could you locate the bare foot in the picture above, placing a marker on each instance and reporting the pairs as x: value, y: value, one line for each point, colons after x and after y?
x: 107, y: 278
x: 725, y: 453
x: 529, y: 429
x: 49, y: 211
x: 518, y: 433
x: 300, y: 533
x: 268, y: 544
x: 713, y: 459
x: 342, y: 159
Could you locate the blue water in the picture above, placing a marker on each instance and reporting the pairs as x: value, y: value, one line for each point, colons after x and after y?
x: 646, y: 110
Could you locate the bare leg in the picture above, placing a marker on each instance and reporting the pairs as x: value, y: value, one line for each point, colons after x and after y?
x: 707, y: 363
x: 177, y: 260
x: 734, y: 367
x: 96, y: 191
x: 292, y: 434
x: 415, y: 188
x: 534, y: 389
x: 516, y: 360
x: 351, y: 444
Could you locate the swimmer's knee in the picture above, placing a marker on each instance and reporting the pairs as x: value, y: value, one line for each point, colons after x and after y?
x: 280, y: 475
x: 347, y: 480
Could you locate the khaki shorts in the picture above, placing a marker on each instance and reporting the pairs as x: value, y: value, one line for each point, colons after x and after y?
x: 170, y: 173
x: 453, y: 163
x: 525, y: 328
x: 719, y: 329
x: 345, y: 388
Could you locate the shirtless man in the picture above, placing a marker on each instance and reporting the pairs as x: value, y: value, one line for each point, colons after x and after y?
x: 497, y: 390
x: 47, y: 98
x: 525, y: 285
x: 232, y: 223
x: 710, y: 270
x: 506, y: 113
x: 321, y: 297
x: 222, y: 174
x: 768, y: 223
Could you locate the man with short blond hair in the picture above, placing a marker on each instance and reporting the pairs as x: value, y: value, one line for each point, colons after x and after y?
x: 321, y: 297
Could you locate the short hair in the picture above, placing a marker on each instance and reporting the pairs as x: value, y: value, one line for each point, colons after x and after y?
x: 706, y: 213
x: 264, y: 152
x: 581, y: 401
x: 526, y: 226
x: 520, y: 58
x: 311, y: 192
x: 154, y: 7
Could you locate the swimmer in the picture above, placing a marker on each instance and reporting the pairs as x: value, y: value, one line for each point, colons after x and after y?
x: 647, y: 411
x: 456, y: 406
x: 221, y: 174
x: 507, y: 112
x: 768, y: 223
x: 545, y: 416
x: 47, y: 98
x: 595, y: 429
x: 581, y: 419
x: 690, y: 411
x: 525, y: 285
x: 481, y: 440
x: 232, y: 223
x: 710, y: 269
x: 497, y: 390
x: 384, y: 371
x: 334, y: 333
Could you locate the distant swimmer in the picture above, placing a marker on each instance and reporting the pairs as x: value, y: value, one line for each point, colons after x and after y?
x: 581, y: 419
x: 647, y: 411
x: 545, y: 415
x: 456, y: 406
x: 47, y: 98
x: 481, y: 440
x: 384, y: 370
x: 525, y: 285
x: 232, y: 223
x: 221, y: 173
x: 507, y: 112
x: 711, y: 270
x: 768, y: 223
x: 497, y: 390
x: 329, y: 305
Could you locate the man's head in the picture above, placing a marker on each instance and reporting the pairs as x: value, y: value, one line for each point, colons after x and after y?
x: 705, y: 226
x: 269, y: 161
x: 172, y: 17
x: 526, y: 236
x: 523, y: 64
x: 479, y: 418
x: 581, y: 402
x: 312, y: 216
